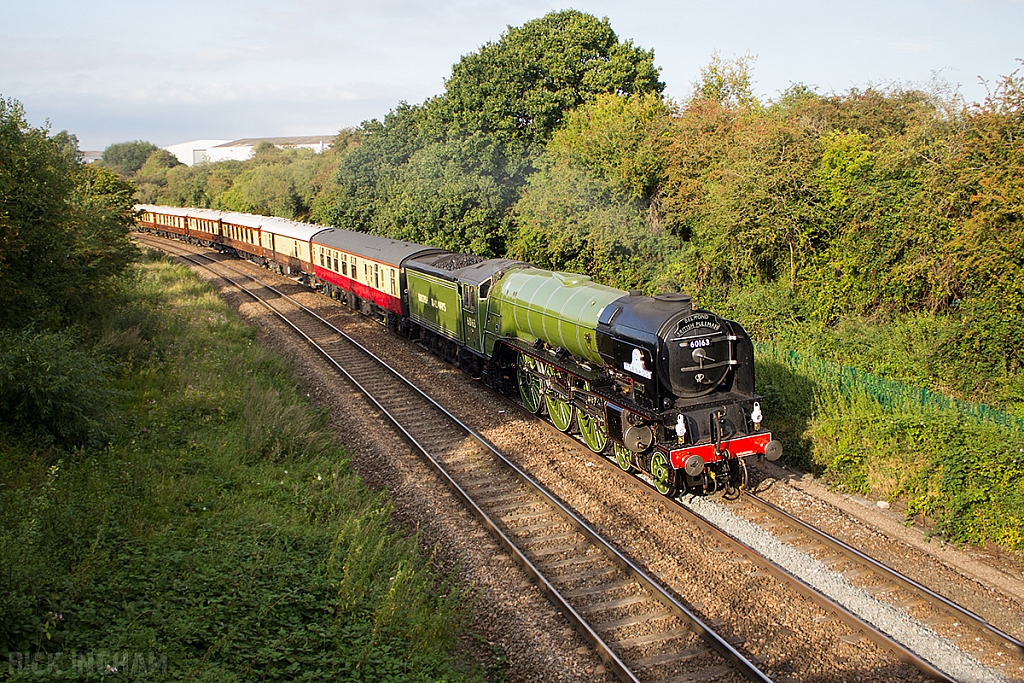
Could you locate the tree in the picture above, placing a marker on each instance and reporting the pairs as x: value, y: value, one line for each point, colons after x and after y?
x: 126, y: 158
x: 592, y: 205
x: 63, y: 226
x: 266, y: 190
x: 521, y: 87
x: 499, y: 107
x: 987, y: 249
x: 727, y: 82
x: 151, y: 178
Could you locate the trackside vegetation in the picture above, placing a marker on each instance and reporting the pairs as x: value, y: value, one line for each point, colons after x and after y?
x: 219, y: 533
x: 879, y: 228
x: 171, y: 508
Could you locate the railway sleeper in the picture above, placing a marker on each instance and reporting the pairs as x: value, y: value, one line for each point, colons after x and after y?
x: 618, y: 603
x: 647, y: 618
x: 558, y: 550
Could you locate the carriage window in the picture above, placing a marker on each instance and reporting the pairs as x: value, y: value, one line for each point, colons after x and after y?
x: 336, y: 265
x: 344, y: 268
x: 394, y: 287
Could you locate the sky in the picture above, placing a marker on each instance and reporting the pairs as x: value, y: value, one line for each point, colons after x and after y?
x: 171, y: 71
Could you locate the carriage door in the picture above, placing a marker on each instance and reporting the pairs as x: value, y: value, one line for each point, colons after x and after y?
x: 470, y: 324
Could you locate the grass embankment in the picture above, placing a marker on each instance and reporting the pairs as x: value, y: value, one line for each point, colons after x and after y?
x: 963, y: 478
x: 219, y: 533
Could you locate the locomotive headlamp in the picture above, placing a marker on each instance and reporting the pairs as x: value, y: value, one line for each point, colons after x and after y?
x: 681, y: 426
x: 755, y: 415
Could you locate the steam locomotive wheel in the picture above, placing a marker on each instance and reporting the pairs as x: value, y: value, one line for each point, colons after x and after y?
x: 529, y: 383
x: 592, y: 431
x: 560, y: 412
x: 623, y: 458
x: 664, y: 479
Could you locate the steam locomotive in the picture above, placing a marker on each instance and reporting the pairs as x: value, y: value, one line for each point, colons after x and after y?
x: 660, y: 386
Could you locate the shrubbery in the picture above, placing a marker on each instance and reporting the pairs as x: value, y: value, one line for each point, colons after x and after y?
x: 63, y: 227
x: 54, y: 389
x: 214, y: 547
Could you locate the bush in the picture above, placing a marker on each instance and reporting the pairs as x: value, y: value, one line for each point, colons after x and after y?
x: 196, y: 546
x: 967, y: 478
x: 52, y: 388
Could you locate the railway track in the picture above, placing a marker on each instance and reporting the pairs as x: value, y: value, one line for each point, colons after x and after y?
x: 880, y: 580
x: 958, y: 624
x: 969, y: 631
x: 639, y: 629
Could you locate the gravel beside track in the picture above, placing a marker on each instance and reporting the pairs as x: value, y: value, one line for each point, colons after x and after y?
x: 895, y: 622
x: 989, y: 584
x: 796, y: 640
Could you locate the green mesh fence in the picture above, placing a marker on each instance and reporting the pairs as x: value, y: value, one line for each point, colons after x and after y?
x: 890, y: 394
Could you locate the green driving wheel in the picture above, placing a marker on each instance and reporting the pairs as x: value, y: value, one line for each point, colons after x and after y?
x: 593, y: 432
x: 529, y: 383
x: 664, y: 482
x: 623, y: 458
x: 561, y: 412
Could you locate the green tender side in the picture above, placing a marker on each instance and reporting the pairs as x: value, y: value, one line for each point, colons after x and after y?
x: 435, y: 304
x: 559, y: 308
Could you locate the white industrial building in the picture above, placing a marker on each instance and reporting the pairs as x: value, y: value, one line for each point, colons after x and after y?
x: 198, y: 151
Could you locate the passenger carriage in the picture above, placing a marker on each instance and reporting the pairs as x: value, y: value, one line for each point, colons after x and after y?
x: 241, y: 232
x: 164, y: 220
x: 287, y: 243
x: 366, y: 271
x: 204, y: 226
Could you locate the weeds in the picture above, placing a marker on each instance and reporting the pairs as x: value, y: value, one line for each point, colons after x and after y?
x: 220, y: 534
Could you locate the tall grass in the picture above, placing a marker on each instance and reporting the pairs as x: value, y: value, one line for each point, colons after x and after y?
x: 963, y: 476
x: 220, y: 535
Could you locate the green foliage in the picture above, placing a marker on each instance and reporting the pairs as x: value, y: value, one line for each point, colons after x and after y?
x: 449, y: 195
x: 53, y: 389
x: 448, y: 172
x: 198, y: 185
x: 618, y: 139
x: 571, y: 222
x: 212, y: 548
x: 266, y: 190
x: 987, y: 247
x: 520, y: 87
x: 845, y: 161
x: 727, y: 82
x: 151, y: 178
x: 63, y: 227
x: 590, y: 206
x: 967, y: 478
x: 126, y: 158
